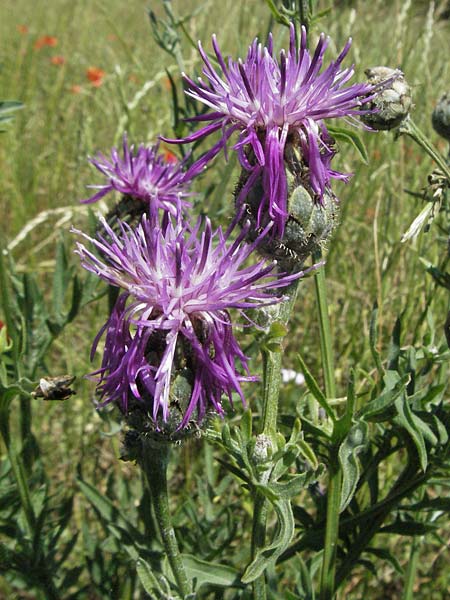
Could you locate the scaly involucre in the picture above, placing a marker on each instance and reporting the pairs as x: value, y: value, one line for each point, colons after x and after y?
x: 145, y: 174
x: 179, y: 284
x: 270, y: 102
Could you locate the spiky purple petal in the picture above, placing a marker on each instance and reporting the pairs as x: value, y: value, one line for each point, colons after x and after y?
x: 179, y: 284
x: 267, y: 101
x: 145, y: 174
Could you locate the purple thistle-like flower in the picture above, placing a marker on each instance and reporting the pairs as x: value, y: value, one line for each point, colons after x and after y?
x: 146, y: 175
x: 179, y: 284
x: 271, y: 103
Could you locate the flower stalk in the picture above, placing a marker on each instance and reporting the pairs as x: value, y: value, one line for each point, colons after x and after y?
x: 272, y: 362
x: 154, y: 462
x: 408, y: 127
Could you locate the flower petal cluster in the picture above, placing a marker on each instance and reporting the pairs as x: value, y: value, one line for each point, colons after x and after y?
x: 179, y: 283
x: 271, y: 102
x: 145, y: 174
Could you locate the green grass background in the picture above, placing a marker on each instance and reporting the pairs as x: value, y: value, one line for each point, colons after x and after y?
x: 44, y: 167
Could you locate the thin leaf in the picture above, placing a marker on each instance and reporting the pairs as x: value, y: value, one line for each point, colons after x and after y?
x: 405, y: 419
x: 315, y: 389
x: 355, y: 441
x: 206, y: 572
x: 148, y: 580
x: 267, y: 557
x: 350, y: 136
x: 373, y: 340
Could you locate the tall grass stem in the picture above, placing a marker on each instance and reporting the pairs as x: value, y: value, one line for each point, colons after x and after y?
x: 334, y: 472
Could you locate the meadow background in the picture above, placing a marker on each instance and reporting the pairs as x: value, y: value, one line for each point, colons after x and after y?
x: 86, y: 72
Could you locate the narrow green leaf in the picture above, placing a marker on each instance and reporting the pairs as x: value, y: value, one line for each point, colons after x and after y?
x: 409, y: 528
x: 206, y: 572
x: 72, y: 577
x: 276, y: 13
x: 381, y: 407
x: 315, y: 389
x: 427, y: 504
x: 304, y: 583
x: 239, y: 473
x: 128, y: 536
x: 349, y: 136
x: 343, y: 425
x: 6, y: 108
x: 373, y: 340
x: 267, y: 556
x: 406, y: 420
x: 246, y: 425
x: 308, y: 453
x: 289, y: 489
x: 387, y: 556
x: 355, y: 441
x: 149, y: 582
x: 394, y: 346
x: 59, y: 280
x: 9, y: 105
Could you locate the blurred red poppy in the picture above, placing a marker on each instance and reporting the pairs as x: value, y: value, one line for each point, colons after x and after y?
x: 45, y: 40
x: 95, y: 76
x: 57, y: 60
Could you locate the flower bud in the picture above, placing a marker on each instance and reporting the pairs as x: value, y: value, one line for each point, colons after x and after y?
x: 140, y: 421
x: 308, y: 227
x: 393, y: 102
x: 441, y: 117
x: 262, y: 450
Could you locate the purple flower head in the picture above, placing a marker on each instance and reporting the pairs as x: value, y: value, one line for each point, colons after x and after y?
x: 146, y: 175
x: 179, y: 284
x: 271, y: 103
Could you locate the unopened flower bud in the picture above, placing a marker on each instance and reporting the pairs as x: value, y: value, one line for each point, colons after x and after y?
x: 169, y: 430
x: 265, y: 316
x: 262, y: 450
x: 310, y: 222
x: 393, y: 103
x: 131, y: 446
x: 441, y: 117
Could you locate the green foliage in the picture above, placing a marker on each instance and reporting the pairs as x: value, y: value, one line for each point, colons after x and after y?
x: 7, y: 109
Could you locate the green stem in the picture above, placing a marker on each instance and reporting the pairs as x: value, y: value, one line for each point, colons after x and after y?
x: 326, y: 347
x: 408, y: 127
x: 272, y: 362
x: 155, y: 458
x: 311, y: 539
x: 48, y: 588
x: 8, y: 311
x: 327, y: 584
x: 271, y: 389
x: 411, y: 570
x: 404, y: 487
x: 19, y: 472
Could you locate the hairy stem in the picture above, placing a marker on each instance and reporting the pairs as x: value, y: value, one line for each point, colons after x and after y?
x: 272, y: 362
x: 154, y: 461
